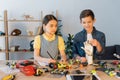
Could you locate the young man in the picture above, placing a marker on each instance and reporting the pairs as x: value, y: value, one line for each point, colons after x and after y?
x: 89, y: 34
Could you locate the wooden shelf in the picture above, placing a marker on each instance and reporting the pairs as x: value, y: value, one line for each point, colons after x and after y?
x: 24, y: 20
x: 8, y: 35
x: 22, y: 36
x: 21, y: 51
x: 1, y: 20
x: 2, y: 36
x: 2, y: 51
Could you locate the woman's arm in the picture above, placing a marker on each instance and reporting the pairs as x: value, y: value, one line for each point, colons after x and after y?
x: 61, y: 46
x: 63, y: 55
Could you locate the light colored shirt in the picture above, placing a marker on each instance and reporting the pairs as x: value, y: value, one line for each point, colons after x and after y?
x: 89, y: 37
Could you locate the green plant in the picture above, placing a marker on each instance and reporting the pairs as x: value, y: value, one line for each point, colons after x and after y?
x: 69, y: 46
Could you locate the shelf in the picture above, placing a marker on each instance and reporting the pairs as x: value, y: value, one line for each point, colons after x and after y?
x: 24, y: 20
x: 1, y: 20
x: 2, y: 51
x: 2, y: 36
x: 8, y: 36
x: 21, y: 51
x: 22, y: 36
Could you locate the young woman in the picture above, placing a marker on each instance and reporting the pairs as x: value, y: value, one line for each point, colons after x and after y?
x: 90, y: 34
x: 48, y: 45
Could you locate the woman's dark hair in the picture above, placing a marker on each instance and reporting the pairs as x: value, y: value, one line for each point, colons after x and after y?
x: 45, y: 21
x: 86, y: 13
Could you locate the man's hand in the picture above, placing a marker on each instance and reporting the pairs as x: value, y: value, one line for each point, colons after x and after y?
x: 93, y: 42
x: 82, y: 59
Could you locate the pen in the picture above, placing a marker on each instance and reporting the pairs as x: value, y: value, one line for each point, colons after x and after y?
x: 50, y: 55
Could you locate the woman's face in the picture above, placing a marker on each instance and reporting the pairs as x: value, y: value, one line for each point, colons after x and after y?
x: 87, y: 23
x: 51, y: 27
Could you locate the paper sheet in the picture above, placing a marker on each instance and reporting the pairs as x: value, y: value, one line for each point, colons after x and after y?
x: 8, y: 70
x: 43, y: 63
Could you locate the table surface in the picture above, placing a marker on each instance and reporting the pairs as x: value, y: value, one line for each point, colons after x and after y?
x: 48, y: 76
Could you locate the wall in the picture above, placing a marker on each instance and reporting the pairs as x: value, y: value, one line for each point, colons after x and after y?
x: 106, y: 12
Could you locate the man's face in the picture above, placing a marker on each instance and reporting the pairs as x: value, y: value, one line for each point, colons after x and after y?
x: 87, y: 23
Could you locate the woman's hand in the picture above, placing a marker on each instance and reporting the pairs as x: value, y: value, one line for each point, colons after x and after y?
x: 52, y: 61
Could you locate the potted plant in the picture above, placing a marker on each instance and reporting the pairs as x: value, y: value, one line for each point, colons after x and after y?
x: 69, y: 46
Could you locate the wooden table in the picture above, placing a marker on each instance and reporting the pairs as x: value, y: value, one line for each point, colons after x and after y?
x: 48, y: 76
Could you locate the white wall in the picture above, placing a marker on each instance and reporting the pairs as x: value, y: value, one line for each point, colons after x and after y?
x: 106, y: 12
